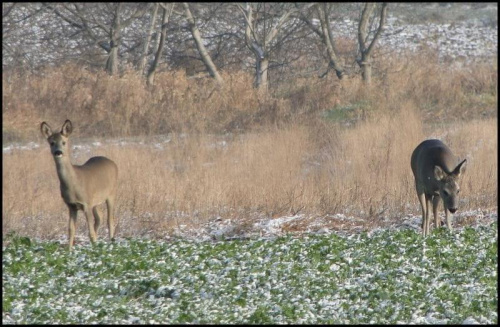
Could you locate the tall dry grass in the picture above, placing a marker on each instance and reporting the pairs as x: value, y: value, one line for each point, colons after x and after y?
x: 124, y: 106
x: 235, y: 152
x: 314, y: 169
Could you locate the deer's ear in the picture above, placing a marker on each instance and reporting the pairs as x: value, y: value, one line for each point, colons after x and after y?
x: 439, y: 173
x: 67, y: 128
x: 460, y: 169
x: 46, y: 130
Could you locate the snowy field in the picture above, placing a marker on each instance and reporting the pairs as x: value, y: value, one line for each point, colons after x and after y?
x: 463, y: 40
x: 382, y: 277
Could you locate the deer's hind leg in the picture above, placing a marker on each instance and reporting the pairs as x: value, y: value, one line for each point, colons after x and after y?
x: 97, y: 219
x: 110, y: 203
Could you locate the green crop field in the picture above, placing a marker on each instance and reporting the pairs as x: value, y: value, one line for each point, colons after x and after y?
x: 384, y: 277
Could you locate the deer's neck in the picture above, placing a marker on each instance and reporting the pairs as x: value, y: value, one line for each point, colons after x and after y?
x: 65, y: 171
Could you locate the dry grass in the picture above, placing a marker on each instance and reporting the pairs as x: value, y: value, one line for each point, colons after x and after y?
x: 124, y: 106
x: 314, y: 169
x: 282, y: 156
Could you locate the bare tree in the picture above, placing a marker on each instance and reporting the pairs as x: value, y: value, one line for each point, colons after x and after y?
x: 7, y: 8
x: 260, y: 37
x: 205, y: 56
x: 18, y: 38
x: 325, y: 33
x: 167, y: 12
x: 142, y: 60
x: 102, y: 24
x: 366, y: 47
x: 287, y: 38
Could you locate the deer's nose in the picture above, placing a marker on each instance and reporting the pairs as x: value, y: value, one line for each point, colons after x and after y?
x: 58, y: 153
x: 452, y: 210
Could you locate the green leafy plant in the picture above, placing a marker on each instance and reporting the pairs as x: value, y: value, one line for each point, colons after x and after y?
x: 384, y: 277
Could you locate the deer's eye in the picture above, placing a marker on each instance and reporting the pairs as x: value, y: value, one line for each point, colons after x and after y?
x: 64, y: 143
x: 446, y: 193
x: 458, y: 191
x: 52, y: 143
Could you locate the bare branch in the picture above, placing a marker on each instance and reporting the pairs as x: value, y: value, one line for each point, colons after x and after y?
x: 274, y: 31
x: 380, y: 28
x: 65, y: 18
x: 138, y: 13
x: 362, y: 35
x: 308, y: 21
x: 142, y: 61
x: 167, y: 12
x: 6, y: 11
x: 199, y: 44
x: 249, y: 30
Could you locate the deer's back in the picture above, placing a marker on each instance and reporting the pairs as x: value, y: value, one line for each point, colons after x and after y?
x: 99, y: 175
x: 428, y: 154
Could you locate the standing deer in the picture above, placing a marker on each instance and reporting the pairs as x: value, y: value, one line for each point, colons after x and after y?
x: 436, y: 173
x: 83, y: 187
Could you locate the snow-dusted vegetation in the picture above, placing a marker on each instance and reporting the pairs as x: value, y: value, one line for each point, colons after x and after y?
x: 378, y: 277
x: 290, y: 201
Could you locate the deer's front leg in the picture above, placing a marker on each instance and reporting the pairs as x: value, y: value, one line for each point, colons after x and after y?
x: 89, y: 215
x: 448, y: 218
x: 435, y: 205
x: 421, y: 199
x: 72, y: 225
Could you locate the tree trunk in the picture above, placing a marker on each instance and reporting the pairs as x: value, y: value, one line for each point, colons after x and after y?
x: 261, y: 69
x: 205, y: 57
x: 142, y: 61
x: 115, y: 36
x: 328, y: 40
x: 261, y: 46
x: 366, y: 71
x: 167, y: 11
x: 365, y: 49
x: 112, y: 62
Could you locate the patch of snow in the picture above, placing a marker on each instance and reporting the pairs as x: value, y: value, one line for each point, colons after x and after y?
x: 470, y: 321
x: 28, y: 146
x: 273, y: 226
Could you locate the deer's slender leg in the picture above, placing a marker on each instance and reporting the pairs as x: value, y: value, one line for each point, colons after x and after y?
x: 110, y: 202
x: 448, y: 218
x: 89, y: 215
x: 97, y: 218
x: 72, y: 225
x: 421, y: 199
x: 435, y: 205
x: 428, y: 202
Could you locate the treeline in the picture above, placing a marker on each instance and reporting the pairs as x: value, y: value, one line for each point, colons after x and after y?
x: 126, y: 69
x: 271, y: 41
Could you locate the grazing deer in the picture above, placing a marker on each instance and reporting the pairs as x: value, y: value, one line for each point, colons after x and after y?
x: 83, y: 187
x: 436, y: 174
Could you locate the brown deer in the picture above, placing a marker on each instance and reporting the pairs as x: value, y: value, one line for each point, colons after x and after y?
x: 436, y: 177
x: 83, y: 187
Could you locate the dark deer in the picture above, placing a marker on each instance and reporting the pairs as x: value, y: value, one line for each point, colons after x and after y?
x: 436, y: 172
